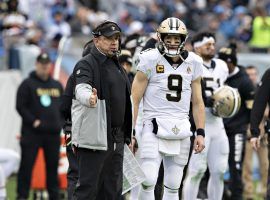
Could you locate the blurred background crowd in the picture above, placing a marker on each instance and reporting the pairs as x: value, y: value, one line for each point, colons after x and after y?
x: 31, y: 25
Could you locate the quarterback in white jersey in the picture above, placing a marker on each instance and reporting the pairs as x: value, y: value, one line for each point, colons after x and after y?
x: 215, y: 154
x: 168, y: 78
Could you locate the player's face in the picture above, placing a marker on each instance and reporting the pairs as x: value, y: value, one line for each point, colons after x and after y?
x: 108, y: 45
x: 207, y: 51
x: 172, y: 42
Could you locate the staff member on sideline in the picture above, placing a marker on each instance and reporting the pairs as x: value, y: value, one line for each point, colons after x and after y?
x: 101, y: 117
x: 73, y: 171
x: 237, y: 125
x: 38, y: 103
x: 262, y: 97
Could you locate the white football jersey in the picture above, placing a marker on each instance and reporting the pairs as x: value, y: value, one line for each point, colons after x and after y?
x: 168, y: 92
x: 214, y: 77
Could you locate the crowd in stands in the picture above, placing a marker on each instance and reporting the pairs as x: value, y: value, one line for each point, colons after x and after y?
x: 35, y: 25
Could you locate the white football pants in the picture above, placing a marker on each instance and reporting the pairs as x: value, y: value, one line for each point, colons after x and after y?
x: 150, y: 163
x: 215, y: 154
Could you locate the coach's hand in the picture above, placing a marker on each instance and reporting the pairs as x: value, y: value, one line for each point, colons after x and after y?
x: 255, y: 142
x: 198, y: 144
x: 93, y: 98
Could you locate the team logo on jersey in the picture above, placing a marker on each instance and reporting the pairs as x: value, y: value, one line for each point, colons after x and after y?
x: 160, y: 69
x: 175, y: 130
x: 188, y: 70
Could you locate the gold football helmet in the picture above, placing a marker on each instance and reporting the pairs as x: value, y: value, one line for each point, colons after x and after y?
x: 227, y: 102
x: 172, y: 26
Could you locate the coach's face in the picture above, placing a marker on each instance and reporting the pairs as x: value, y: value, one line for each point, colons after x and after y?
x: 108, y: 45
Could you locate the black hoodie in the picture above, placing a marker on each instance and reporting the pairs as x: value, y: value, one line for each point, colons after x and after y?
x: 39, y: 99
x: 239, y: 122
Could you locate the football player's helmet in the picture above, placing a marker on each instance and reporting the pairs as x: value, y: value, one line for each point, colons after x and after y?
x: 172, y: 26
x: 227, y: 102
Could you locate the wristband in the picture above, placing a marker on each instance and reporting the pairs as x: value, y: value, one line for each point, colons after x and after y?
x: 201, y: 132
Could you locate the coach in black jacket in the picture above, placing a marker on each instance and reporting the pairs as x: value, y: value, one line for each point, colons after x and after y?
x: 38, y: 103
x: 101, y: 117
x: 236, y: 126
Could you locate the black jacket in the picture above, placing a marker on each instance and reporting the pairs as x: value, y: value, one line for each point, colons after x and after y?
x: 91, y: 69
x: 239, y: 122
x: 262, y: 97
x: 38, y: 99
x: 67, y: 99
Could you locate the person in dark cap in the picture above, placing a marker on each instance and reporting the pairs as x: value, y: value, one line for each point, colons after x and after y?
x: 125, y: 59
x: 38, y: 103
x: 237, y: 125
x: 101, y: 116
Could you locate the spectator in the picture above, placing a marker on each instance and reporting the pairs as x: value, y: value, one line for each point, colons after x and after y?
x: 59, y: 26
x: 38, y: 103
x: 260, y: 40
x: 29, y: 52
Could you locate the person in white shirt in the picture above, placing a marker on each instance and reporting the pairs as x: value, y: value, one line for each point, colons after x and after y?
x: 216, y: 152
x: 168, y: 78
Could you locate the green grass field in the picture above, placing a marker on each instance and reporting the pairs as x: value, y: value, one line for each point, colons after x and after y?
x: 11, y: 189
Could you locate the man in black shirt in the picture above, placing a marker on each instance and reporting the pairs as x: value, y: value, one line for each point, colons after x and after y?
x: 38, y: 103
x: 262, y: 98
x: 101, y: 117
x: 236, y: 126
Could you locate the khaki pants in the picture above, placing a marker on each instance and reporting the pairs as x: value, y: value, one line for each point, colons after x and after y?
x: 247, y: 168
